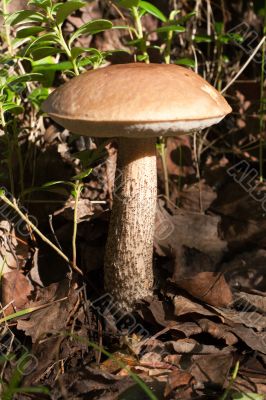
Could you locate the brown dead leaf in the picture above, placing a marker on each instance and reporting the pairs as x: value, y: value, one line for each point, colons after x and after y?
x: 251, y: 302
x: 113, y: 365
x: 176, y: 380
x: 173, y: 359
x: 60, y: 299
x: 185, y: 306
x: 15, y: 290
x: 218, y: 331
x: 211, y: 368
x: 197, y: 197
x: 247, y: 271
x: 186, y: 345
x: 193, y: 230
x: 255, y: 340
x: 159, y: 312
x: 208, y: 287
x: 191, y: 346
x: 251, y: 318
x: 179, y: 157
x: 89, y: 382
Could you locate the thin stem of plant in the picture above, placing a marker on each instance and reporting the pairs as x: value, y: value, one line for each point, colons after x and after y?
x: 37, y: 231
x: 245, y: 65
x: 262, y: 101
x: 7, y: 27
x: 140, y: 36
x: 78, y: 189
x: 196, y: 157
x: 165, y: 172
x: 232, y: 380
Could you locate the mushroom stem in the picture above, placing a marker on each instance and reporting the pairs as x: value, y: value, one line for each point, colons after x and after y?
x: 128, y: 274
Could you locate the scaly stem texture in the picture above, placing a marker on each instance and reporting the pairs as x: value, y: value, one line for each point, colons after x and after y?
x: 128, y: 259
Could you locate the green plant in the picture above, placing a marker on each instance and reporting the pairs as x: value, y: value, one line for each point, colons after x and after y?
x: 39, y: 34
x: 232, y: 380
x: 40, y: 48
x: 13, y: 387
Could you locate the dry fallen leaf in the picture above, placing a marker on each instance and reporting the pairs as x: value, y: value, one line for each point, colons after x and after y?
x: 193, y: 230
x: 60, y: 299
x: 185, y: 306
x: 16, y: 289
x: 211, y: 368
x: 208, y: 287
x: 177, y: 379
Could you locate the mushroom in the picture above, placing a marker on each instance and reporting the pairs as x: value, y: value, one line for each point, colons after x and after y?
x: 135, y: 103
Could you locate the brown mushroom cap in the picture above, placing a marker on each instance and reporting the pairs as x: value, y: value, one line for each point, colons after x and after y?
x: 136, y: 100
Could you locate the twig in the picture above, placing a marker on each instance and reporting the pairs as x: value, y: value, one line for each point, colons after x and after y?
x: 36, y: 230
x: 75, y: 223
x: 245, y: 65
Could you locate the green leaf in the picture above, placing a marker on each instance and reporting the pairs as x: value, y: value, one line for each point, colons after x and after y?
x: 40, y: 66
x: 224, y: 39
x: 203, y: 39
x: 82, y: 175
x: 247, y: 396
x: 171, y: 28
x: 37, y: 96
x: 44, y: 52
x: 90, y: 28
x: 128, y: 3
x: 46, y: 39
x: 90, y: 157
x: 77, y: 51
x: 52, y: 183
x: 142, y: 57
x: 185, y: 18
x: 23, y: 16
x: 51, y: 187
x: 32, y: 389
x: 32, y: 77
x: 19, y: 42
x: 188, y: 62
x: 41, y: 3
x: 135, y: 42
x: 219, y: 27
x: 64, y: 10
x: 63, y: 66
x: 88, y: 60
x: 31, y: 31
x: 13, y: 108
x: 151, y: 9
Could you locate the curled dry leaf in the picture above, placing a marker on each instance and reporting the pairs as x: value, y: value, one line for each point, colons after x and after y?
x: 60, y: 299
x: 185, y: 306
x: 177, y: 379
x: 191, y: 346
x: 208, y: 287
x: 250, y: 318
x: 218, y: 331
x: 249, y: 301
x: 15, y: 291
x: 193, y: 230
x: 255, y: 340
x: 211, y: 368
